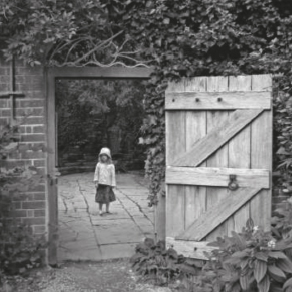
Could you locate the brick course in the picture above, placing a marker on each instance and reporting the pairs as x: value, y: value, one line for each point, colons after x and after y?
x: 29, y: 111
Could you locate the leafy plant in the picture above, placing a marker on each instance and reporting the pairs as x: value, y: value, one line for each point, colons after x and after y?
x: 204, y: 38
x: 249, y: 261
x: 160, y: 265
x: 180, y: 38
x: 282, y: 221
x: 282, y: 133
x: 252, y: 260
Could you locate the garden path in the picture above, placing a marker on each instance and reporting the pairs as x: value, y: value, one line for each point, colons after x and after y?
x: 85, y: 235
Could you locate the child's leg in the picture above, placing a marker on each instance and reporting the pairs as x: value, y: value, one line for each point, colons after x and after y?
x: 100, y: 208
x: 107, y: 207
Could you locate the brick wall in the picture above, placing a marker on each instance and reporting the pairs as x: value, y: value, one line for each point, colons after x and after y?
x: 30, y: 207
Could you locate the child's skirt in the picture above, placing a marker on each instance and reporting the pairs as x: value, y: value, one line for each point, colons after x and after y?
x: 104, y: 194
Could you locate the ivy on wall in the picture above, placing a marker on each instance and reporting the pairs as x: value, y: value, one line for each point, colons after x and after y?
x: 203, y: 38
x: 181, y: 38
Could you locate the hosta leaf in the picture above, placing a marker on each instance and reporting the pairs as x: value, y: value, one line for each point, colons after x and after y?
x: 264, y: 285
x: 277, y: 255
x: 260, y: 270
x: 262, y: 256
x: 236, y: 288
x: 244, y: 282
x: 240, y: 254
x: 285, y: 265
x: 244, y: 263
x: 287, y: 284
x: 277, y: 273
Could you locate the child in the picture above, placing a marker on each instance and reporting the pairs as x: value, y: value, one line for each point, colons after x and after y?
x: 105, y: 180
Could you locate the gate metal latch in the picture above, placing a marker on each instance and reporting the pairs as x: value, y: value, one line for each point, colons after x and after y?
x: 233, y: 185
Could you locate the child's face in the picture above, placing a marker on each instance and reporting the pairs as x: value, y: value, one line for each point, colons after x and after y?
x: 103, y: 158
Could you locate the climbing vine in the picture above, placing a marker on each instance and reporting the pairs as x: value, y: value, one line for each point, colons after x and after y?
x: 203, y: 38
x: 177, y: 38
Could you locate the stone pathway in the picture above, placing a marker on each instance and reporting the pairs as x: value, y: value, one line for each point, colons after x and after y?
x: 84, y: 235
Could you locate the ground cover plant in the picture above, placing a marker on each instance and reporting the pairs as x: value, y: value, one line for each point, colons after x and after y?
x: 252, y: 260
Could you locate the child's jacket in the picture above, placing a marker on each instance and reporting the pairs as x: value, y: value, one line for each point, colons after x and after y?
x: 105, y: 174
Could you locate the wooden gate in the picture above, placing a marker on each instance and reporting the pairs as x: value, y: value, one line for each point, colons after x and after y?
x: 218, y: 158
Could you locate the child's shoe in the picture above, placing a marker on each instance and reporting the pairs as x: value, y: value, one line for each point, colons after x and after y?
x: 100, y: 213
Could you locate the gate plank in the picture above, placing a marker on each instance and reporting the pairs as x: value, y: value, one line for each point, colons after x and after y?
x: 261, y: 154
x: 215, y: 176
x: 217, y: 214
x: 240, y: 150
x: 175, y: 144
x: 220, y: 135
x: 195, y: 196
x: 191, y: 249
x: 220, y: 157
x: 209, y: 100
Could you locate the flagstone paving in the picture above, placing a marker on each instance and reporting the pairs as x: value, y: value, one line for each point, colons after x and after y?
x: 85, y: 235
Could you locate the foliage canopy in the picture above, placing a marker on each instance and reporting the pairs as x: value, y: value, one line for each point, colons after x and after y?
x: 178, y: 38
x: 64, y: 33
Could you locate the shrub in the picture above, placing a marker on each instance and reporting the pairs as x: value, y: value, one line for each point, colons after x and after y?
x: 249, y: 261
x: 252, y: 260
x: 160, y: 265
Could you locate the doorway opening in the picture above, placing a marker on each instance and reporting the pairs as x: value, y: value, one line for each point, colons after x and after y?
x: 86, y: 115
x: 91, y: 114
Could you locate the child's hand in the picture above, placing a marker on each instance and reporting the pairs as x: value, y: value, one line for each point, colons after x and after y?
x: 96, y: 184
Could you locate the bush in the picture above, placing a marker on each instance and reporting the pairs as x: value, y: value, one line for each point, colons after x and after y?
x: 161, y: 266
x: 252, y: 260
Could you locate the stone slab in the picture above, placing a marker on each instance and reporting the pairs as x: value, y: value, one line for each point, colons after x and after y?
x: 115, y: 251
x: 81, y: 229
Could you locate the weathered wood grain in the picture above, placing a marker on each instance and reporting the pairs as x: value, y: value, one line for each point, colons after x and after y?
x: 51, y: 186
x: 175, y: 144
x: 195, y: 196
x: 261, y: 155
x: 190, y: 249
x: 218, y: 136
x: 222, y: 141
x: 239, y: 152
x: 216, y: 215
x: 217, y: 100
x: 215, y: 176
x: 220, y: 157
